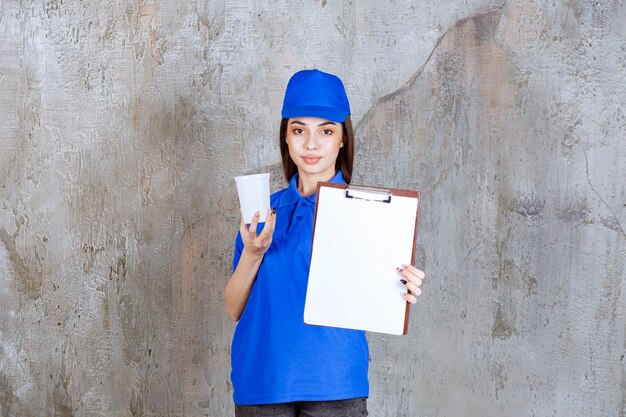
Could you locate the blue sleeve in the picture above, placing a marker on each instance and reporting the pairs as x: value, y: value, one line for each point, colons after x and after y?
x: 238, y: 250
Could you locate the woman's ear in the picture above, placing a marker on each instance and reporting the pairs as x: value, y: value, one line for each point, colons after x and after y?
x: 341, y: 145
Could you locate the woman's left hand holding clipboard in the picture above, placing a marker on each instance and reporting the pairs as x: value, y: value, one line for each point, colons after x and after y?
x: 412, y: 279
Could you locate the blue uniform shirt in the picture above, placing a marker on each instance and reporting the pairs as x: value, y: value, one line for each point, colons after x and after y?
x: 275, y: 357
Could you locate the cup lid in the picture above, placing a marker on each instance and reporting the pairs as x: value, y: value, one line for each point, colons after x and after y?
x: 252, y: 177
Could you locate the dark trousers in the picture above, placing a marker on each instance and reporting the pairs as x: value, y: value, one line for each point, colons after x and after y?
x: 354, y: 407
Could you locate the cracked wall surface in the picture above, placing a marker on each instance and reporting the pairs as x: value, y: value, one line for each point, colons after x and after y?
x: 124, y: 123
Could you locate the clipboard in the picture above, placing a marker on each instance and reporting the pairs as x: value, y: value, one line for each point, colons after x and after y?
x: 361, y: 234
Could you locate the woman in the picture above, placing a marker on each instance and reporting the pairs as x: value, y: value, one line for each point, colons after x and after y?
x: 281, y: 366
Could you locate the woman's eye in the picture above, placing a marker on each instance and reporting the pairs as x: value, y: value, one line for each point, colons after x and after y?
x: 298, y: 131
x: 327, y: 132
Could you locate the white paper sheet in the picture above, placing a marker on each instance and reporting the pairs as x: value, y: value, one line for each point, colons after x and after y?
x: 353, y: 282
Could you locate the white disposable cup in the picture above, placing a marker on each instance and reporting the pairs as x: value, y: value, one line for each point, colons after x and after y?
x: 254, y: 195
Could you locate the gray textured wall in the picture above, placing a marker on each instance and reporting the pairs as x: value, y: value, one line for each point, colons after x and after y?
x: 123, y: 124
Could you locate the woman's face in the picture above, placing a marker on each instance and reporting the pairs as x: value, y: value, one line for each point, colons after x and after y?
x: 314, y: 145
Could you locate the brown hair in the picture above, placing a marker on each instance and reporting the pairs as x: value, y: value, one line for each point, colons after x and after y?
x: 344, y: 159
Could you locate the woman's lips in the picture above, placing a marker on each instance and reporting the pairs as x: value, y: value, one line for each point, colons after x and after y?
x: 311, y: 159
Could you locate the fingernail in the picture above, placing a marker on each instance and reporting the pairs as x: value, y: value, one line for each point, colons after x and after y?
x: 403, y: 281
x: 399, y: 269
x: 274, y: 210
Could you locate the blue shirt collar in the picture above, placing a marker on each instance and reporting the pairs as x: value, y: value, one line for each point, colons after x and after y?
x: 292, y: 195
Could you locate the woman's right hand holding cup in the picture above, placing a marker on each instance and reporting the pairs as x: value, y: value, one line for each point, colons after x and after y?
x: 257, y: 244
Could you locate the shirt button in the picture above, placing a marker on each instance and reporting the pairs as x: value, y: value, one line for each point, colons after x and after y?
x: 303, y: 204
x: 298, y: 217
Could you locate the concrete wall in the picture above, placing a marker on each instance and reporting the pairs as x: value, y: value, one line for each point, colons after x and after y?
x: 124, y: 123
